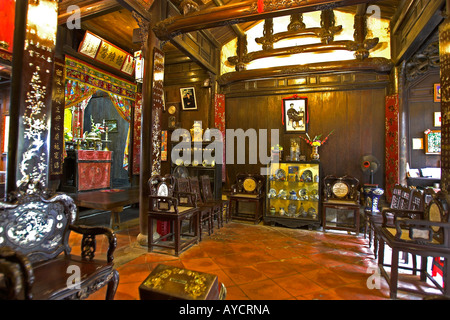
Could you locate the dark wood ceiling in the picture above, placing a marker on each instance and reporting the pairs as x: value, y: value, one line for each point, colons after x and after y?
x: 116, y: 24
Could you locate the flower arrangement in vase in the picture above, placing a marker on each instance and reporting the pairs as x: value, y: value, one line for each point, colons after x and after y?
x: 316, y: 143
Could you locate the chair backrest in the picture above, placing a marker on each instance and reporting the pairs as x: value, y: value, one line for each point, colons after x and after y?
x: 428, y: 194
x: 416, y: 200
x: 396, y: 196
x: 258, y: 182
x: 195, y: 188
x: 161, y: 193
x: 37, y: 225
x: 341, y: 188
x: 438, y: 211
x: 162, y: 185
x: 405, y: 198
x: 206, y: 188
x: 183, y: 185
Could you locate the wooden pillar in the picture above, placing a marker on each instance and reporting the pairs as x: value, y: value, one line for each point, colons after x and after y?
x: 31, y: 95
x: 149, y: 42
x: 444, y: 56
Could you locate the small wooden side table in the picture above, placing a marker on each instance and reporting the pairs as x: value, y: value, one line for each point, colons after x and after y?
x: 177, y: 244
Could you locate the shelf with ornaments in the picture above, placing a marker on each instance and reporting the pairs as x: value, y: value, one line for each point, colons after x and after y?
x: 293, y: 194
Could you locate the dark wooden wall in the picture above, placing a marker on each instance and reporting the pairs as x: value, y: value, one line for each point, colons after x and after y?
x: 421, y: 109
x: 350, y: 104
x: 182, y: 73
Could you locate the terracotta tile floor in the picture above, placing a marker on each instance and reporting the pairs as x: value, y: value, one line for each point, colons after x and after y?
x: 257, y: 262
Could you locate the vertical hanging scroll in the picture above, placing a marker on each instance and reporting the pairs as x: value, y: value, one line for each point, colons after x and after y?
x: 444, y: 58
x: 36, y: 96
x: 391, y: 144
x: 157, y: 105
x: 219, y: 123
x: 57, y: 130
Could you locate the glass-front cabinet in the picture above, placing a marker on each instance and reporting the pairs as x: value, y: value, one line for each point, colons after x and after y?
x: 293, y: 194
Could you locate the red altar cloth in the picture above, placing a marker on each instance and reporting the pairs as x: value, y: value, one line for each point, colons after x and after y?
x: 94, y: 169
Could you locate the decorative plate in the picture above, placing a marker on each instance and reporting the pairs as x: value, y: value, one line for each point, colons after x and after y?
x: 282, y: 193
x: 302, y: 192
x: 340, y: 189
x: 195, y: 163
x: 249, y: 184
x: 306, y: 176
x: 179, y: 162
x: 272, y: 193
x: 280, y: 174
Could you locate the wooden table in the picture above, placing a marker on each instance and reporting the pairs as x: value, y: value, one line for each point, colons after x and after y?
x: 113, y: 201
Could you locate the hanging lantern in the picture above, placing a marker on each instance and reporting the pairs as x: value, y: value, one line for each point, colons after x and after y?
x: 139, y: 66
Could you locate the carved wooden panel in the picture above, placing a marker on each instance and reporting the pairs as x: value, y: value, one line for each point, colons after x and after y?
x: 444, y: 42
x: 157, y: 106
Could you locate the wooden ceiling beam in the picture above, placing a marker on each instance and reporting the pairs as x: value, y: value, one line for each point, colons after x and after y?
x: 136, y: 6
x: 242, y: 12
x: 88, y: 9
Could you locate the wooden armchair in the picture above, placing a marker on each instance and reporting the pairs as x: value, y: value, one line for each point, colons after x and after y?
x: 175, y: 208
x: 376, y: 218
x: 428, y: 236
x: 249, y: 188
x: 35, y: 258
x: 221, y: 206
x: 341, y: 203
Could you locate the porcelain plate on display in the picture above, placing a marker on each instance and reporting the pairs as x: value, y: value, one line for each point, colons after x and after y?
x: 280, y: 174
x: 272, y: 193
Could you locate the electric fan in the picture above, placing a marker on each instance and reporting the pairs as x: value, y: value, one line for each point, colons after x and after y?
x: 369, y: 164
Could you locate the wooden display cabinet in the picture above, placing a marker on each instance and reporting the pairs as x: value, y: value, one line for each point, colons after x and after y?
x: 294, y: 194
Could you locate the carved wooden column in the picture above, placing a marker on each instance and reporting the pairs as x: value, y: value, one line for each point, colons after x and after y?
x: 31, y: 94
x: 149, y: 42
x: 444, y: 55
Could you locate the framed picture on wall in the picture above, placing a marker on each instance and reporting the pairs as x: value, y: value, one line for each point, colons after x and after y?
x: 432, y: 141
x: 188, y: 100
x: 437, y: 92
x: 295, y: 115
x: 437, y: 119
x: 111, y: 125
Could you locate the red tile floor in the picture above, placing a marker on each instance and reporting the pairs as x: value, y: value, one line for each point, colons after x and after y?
x: 258, y: 262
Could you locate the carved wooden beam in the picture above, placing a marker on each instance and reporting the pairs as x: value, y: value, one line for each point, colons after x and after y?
x: 242, y: 12
x: 88, y: 9
x: 380, y: 65
x: 348, y: 45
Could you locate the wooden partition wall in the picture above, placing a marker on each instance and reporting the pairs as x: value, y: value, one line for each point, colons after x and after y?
x: 351, y: 104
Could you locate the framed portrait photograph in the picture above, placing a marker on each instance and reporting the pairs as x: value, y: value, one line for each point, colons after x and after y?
x: 188, y: 100
x: 295, y: 115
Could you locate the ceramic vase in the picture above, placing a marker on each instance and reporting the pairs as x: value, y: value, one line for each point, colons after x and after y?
x: 315, y: 153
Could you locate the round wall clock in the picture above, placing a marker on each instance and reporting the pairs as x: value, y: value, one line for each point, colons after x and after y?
x: 172, y: 109
x: 340, y: 189
x: 249, y: 184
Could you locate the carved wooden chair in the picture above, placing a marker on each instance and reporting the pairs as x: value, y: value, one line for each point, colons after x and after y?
x: 35, y: 258
x: 209, y: 208
x: 174, y: 207
x: 205, y: 211
x: 426, y: 236
x: 376, y: 218
x: 220, y: 207
x: 249, y: 188
x: 341, y: 203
